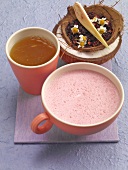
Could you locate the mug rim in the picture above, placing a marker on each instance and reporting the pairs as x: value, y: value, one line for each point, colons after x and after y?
x: 84, y: 125
x: 32, y: 28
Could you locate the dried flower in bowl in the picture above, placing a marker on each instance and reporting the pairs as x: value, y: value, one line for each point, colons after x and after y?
x: 107, y: 21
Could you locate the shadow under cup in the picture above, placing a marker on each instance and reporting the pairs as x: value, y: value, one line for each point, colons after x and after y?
x: 31, y: 78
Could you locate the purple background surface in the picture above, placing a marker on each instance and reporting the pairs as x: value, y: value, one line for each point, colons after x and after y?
x: 17, y: 14
x: 28, y: 106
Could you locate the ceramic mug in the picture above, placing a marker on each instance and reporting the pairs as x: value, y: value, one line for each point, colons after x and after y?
x: 31, y: 78
x: 48, y: 118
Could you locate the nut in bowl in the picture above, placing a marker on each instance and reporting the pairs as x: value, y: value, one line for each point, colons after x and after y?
x: 79, y: 98
x: 89, y: 33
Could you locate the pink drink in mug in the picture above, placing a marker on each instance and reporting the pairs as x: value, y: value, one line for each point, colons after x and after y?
x: 80, y: 98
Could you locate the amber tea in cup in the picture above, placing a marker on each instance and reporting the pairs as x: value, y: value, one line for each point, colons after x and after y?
x: 33, y: 54
x: 32, y: 51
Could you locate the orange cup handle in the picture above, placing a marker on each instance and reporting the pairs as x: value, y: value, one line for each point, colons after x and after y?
x: 39, y: 129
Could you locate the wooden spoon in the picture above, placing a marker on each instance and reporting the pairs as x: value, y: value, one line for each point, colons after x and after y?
x: 83, y: 18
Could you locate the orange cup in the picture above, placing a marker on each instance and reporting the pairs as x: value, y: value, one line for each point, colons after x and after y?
x: 48, y: 118
x: 31, y: 78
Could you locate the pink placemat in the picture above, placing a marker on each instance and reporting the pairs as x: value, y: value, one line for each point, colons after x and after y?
x: 28, y: 106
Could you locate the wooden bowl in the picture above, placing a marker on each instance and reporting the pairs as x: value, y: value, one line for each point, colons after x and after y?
x: 99, y: 54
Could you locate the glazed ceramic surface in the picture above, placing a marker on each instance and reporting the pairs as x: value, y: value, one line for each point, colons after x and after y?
x: 31, y: 78
x: 51, y: 118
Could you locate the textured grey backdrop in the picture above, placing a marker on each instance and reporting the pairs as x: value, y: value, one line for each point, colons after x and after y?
x: 14, y: 15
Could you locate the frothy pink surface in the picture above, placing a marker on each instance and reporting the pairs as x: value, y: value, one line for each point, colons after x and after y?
x: 82, y: 97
